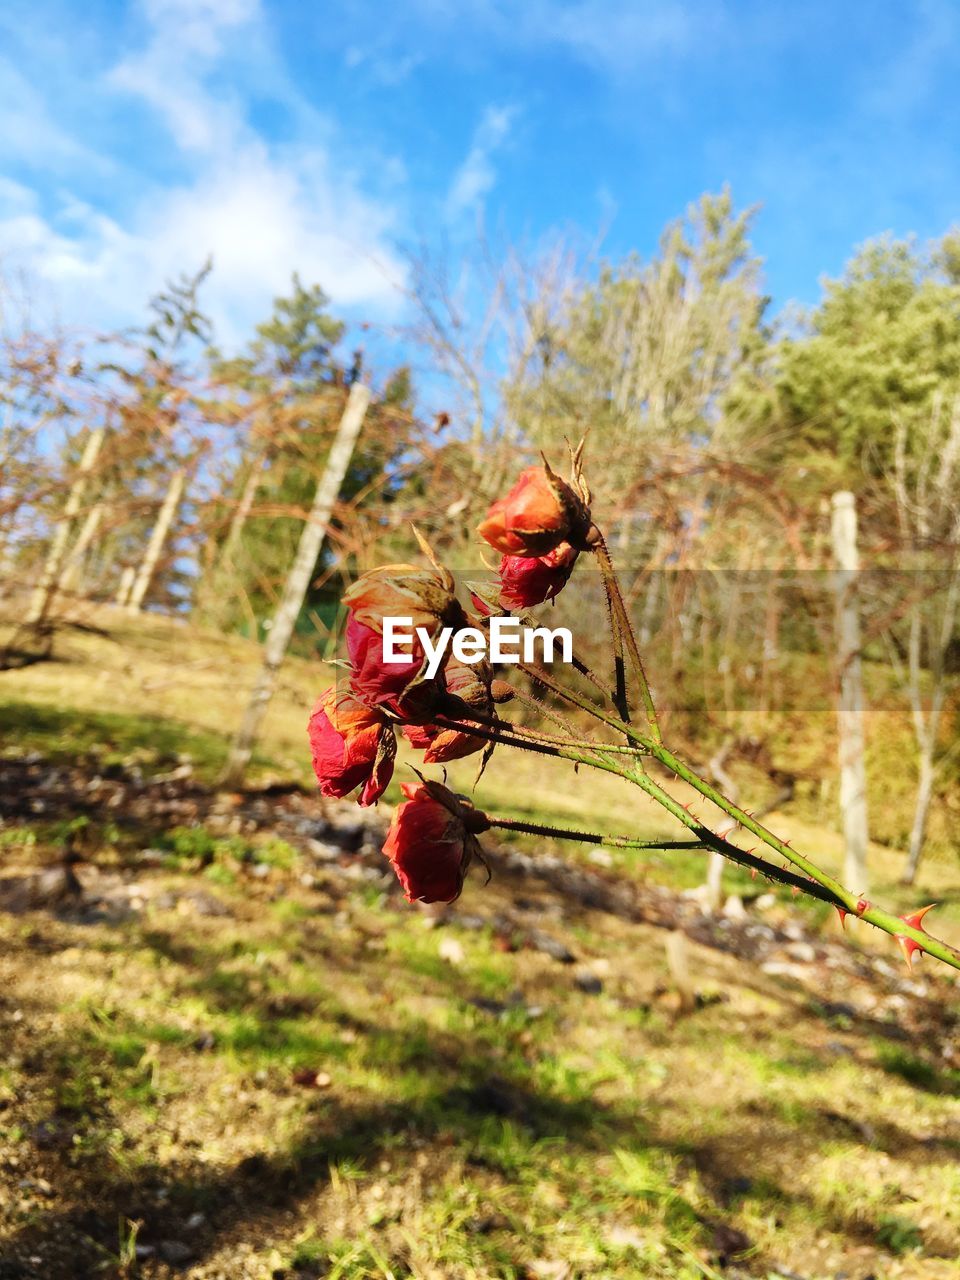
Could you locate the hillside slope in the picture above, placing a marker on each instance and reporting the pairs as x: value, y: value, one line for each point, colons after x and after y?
x: 232, y: 1050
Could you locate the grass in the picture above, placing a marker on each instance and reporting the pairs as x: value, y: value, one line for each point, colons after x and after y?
x: 155, y: 689
x: 337, y: 1091
x: 449, y: 1139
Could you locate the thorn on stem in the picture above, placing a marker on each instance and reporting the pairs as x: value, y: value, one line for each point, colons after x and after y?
x: 907, y: 945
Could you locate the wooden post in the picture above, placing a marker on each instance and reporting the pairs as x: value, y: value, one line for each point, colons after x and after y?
x: 298, y: 580
x: 250, y: 485
x: 716, y: 863
x: 45, y: 588
x: 157, y: 538
x: 853, y: 780
x: 126, y: 583
x: 71, y: 572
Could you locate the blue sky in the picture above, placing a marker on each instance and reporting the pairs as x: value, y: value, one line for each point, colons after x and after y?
x: 137, y: 137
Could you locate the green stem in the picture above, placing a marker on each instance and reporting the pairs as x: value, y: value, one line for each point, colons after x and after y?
x: 589, y: 837
x: 731, y: 851
x: 494, y: 723
x: 629, y: 640
x: 705, y: 837
x: 813, y: 882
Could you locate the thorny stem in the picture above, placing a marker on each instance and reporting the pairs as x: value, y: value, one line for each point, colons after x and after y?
x: 619, y: 696
x: 628, y: 639
x: 729, y: 850
x: 494, y: 722
x: 502, y: 733
x: 580, y: 666
x: 540, y: 704
x: 582, y: 703
x: 708, y: 840
x: 812, y: 874
x: 705, y: 836
x: 813, y: 882
x: 537, y: 735
x: 590, y: 837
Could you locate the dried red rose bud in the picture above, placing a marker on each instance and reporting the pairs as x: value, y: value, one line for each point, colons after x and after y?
x: 539, y: 513
x: 375, y: 682
x: 424, y: 596
x: 351, y: 746
x: 431, y: 841
x: 467, y: 688
x: 526, y: 581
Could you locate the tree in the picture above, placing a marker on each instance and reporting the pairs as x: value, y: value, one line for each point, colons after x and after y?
x: 645, y: 355
x: 287, y: 388
x: 298, y: 580
x: 870, y: 361
x: 155, y: 444
x: 926, y: 490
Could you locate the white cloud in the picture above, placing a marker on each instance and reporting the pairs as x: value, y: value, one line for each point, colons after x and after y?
x: 262, y: 211
x: 28, y: 131
x: 188, y: 38
x: 383, y: 66
x: 477, y: 176
x: 620, y: 34
x: 912, y: 75
x: 261, y: 219
x: 617, y: 37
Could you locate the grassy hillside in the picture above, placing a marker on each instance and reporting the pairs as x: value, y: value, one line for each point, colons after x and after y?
x: 238, y: 1053
x: 153, y: 683
x: 159, y: 689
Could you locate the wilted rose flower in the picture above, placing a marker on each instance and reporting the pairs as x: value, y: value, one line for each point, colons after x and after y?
x: 431, y: 841
x: 374, y: 681
x: 539, y: 513
x: 466, y: 689
x: 352, y: 746
x: 484, y: 607
x: 405, y: 591
x: 526, y: 581
x: 398, y: 591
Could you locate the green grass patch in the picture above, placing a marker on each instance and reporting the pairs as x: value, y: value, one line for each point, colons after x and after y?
x: 156, y: 743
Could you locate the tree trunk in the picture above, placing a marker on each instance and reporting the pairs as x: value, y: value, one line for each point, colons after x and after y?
x: 220, y: 580
x: 921, y: 811
x: 165, y: 516
x: 242, y: 511
x: 298, y: 580
x: 853, y: 780
x: 71, y: 573
x: 46, y: 587
x: 125, y: 586
x: 716, y: 862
